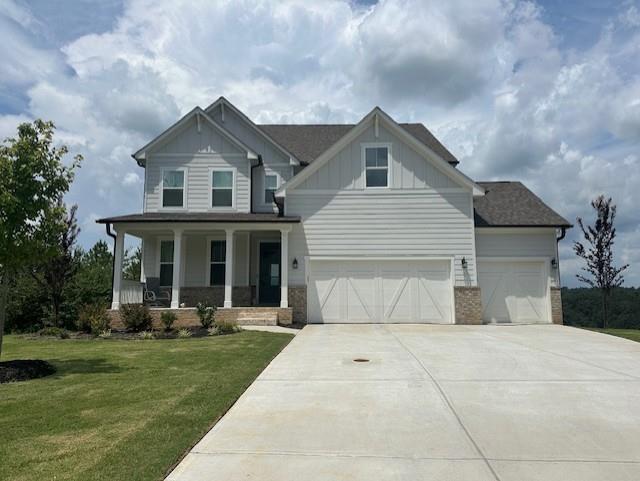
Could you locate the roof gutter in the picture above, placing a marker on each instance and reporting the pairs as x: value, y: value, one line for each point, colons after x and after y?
x: 113, y: 257
x: 563, y: 233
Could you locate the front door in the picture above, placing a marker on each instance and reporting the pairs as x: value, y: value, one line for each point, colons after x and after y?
x: 269, y: 282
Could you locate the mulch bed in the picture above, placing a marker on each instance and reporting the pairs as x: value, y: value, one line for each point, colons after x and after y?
x: 24, y: 369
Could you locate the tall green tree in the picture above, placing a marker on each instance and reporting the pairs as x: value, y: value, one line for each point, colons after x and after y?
x: 33, y: 178
x: 132, y: 264
x: 597, y: 252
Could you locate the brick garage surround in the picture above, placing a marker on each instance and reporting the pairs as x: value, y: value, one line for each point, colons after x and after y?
x: 556, y: 305
x: 298, y: 302
x: 468, y: 304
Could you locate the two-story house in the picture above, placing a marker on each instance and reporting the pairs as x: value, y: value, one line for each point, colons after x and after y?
x: 372, y: 222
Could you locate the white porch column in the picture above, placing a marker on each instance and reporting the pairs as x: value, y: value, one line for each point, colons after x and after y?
x: 117, y: 269
x: 284, y: 268
x: 228, y: 269
x: 177, y: 268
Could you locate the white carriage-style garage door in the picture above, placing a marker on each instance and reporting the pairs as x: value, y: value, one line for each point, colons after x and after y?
x: 514, y: 291
x: 380, y: 291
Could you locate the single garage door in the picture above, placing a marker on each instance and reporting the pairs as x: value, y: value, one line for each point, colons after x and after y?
x: 370, y: 290
x: 514, y: 291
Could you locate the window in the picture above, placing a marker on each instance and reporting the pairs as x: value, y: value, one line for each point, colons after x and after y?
x: 222, y: 188
x: 376, y: 166
x: 270, y: 186
x: 173, y: 188
x: 166, y: 263
x: 217, y: 263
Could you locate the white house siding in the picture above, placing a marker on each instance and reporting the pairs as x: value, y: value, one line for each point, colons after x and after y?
x: 409, y: 169
x: 197, y: 152
x: 195, y: 257
x: 516, y: 243
x: 375, y: 223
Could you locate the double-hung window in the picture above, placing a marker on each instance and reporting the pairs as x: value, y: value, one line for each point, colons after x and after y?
x: 218, y: 254
x: 166, y: 263
x: 270, y: 186
x: 173, y: 188
x: 222, y: 182
x: 376, y: 166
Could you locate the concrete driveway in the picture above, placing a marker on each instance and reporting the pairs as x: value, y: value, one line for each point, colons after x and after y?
x: 473, y: 403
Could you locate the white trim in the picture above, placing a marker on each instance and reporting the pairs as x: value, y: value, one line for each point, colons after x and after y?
x: 203, y: 155
x: 197, y: 111
x: 375, y: 145
x: 474, y: 278
x: 207, y: 274
x: 514, y: 230
x: 367, y: 257
x: 398, y: 131
x: 228, y: 268
x: 265, y: 172
x: 372, y: 191
x: 223, y: 101
x: 185, y: 173
x: 234, y: 188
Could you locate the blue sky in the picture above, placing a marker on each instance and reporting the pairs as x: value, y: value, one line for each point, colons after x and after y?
x: 547, y: 92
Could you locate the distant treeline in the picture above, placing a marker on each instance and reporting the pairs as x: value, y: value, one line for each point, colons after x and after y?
x: 583, y: 307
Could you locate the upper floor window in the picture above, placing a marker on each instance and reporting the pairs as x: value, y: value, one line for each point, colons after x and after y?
x: 222, y: 182
x: 166, y: 263
x: 270, y: 186
x: 173, y: 188
x: 217, y: 258
x: 376, y: 166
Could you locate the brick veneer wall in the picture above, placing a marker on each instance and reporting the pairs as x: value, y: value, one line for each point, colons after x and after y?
x: 285, y: 315
x: 240, y: 295
x: 556, y: 305
x: 298, y: 302
x: 468, y: 305
x: 185, y: 318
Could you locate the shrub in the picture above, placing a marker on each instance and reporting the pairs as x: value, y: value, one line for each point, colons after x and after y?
x: 106, y: 334
x: 146, y: 335
x: 136, y: 317
x: 206, y: 313
x: 168, y: 318
x: 54, y: 332
x: 93, y: 318
x: 184, y: 333
x: 224, y: 327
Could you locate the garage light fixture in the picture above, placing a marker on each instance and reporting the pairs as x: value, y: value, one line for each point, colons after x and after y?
x: 295, y: 263
x: 554, y: 263
x: 464, y: 262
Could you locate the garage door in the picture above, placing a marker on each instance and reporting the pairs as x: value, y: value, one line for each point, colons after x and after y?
x: 513, y: 291
x: 353, y: 291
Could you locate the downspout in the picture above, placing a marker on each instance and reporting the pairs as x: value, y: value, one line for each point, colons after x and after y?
x: 563, y: 233
x: 113, y: 257
x: 260, y: 163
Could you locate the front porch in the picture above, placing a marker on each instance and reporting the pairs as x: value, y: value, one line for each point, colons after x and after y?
x: 242, y: 268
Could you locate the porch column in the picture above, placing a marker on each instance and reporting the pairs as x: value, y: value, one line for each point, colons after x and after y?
x: 117, y: 269
x: 177, y: 268
x: 284, y: 268
x: 228, y: 269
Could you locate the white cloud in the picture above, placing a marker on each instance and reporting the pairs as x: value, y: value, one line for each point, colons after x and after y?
x: 490, y: 77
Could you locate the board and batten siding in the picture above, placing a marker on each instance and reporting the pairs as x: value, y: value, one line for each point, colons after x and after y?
x: 518, y: 243
x: 345, y: 171
x: 358, y: 224
x: 197, y: 152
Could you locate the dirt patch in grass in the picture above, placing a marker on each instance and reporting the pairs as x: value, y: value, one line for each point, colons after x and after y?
x: 24, y: 369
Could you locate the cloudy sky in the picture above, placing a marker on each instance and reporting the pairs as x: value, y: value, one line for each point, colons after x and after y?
x: 547, y: 92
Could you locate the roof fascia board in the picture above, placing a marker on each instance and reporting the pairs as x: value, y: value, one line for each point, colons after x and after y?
x: 140, y: 155
x: 225, y: 103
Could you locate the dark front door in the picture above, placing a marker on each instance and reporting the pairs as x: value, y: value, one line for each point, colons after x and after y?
x: 269, y: 288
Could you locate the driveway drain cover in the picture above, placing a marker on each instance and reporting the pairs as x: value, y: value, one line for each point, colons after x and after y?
x: 359, y: 359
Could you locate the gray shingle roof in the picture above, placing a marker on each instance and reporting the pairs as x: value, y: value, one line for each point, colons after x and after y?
x: 198, y: 217
x: 511, y: 204
x: 307, y: 142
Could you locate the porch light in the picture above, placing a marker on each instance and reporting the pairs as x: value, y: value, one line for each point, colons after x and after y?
x: 295, y: 263
x: 554, y: 263
x: 464, y: 262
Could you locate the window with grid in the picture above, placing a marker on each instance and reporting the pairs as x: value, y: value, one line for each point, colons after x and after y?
x: 270, y: 186
x: 222, y: 188
x: 217, y: 263
x: 166, y: 263
x: 376, y: 166
x: 173, y: 188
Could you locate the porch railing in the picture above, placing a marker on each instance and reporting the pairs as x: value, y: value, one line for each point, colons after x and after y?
x: 131, y: 292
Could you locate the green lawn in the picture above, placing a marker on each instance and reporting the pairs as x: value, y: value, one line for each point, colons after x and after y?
x: 121, y: 410
x: 633, y: 334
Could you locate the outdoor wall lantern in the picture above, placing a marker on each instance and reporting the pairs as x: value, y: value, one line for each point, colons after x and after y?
x: 295, y: 263
x: 464, y: 262
x: 554, y: 263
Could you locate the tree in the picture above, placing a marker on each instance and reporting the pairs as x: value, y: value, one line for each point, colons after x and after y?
x: 33, y: 179
x: 599, y: 253
x: 54, y: 273
x: 92, y: 282
x: 132, y: 264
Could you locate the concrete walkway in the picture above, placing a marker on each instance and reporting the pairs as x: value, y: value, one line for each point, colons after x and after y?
x: 472, y: 403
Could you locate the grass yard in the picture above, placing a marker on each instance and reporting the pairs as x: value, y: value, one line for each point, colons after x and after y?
x: 121, y: 410
x: 632, y: 334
